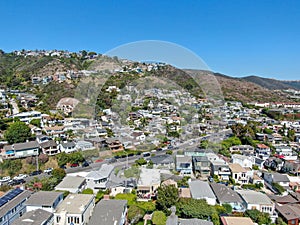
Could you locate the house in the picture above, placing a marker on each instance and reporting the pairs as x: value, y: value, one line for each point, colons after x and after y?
x: 225, y: 195
x: 239, y: 174
x: 233, y: 220
x: 184, y: 164
x: 67, y: 147
x: 55, y: 131
x: 148, y: 183
x: 28, y: 116
x: 243, y: 160
x: 263, y: 151
x: 75, y: 209
x: 290, y: 213
x: 97, y: 180
x: 35, y: 217
x: 281, y: 179
x: 201, y: 166
x: 201, y: 190
x: 115, y: 145
x: 257, y: 200
x: 243, y: 149
x: 71, y: 184
x: 166, y: 161
x: 46, y: 200
x: 286, y: 153
x: 20, y: 150
x: 109, y: 212
x: 84, y: 145
x: 219, y: 167
x: 50, y: 147
x: 12, y: 205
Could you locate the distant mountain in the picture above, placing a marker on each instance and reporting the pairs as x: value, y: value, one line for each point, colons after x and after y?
x: 246, y: 91
x: 273, y: 84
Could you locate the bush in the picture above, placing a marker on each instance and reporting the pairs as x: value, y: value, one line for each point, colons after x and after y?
x: 159, y: 218
x: 87, y: 191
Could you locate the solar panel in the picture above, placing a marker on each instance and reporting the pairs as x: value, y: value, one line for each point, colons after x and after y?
x: 2, y: 202
x: 10, y: 195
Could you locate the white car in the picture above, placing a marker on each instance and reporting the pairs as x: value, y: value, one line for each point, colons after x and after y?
x: 5, y: 179
x: 48, y: 170
x: 20, y: 176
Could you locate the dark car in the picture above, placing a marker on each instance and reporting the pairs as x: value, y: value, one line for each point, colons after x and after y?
x: 63, y: 167
x: 74, y: 165
x: 16, y: 182
x: 85, y: 164
x: 34, y: 173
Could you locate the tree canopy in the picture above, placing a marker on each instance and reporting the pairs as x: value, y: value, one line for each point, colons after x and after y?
x: 17, y: 132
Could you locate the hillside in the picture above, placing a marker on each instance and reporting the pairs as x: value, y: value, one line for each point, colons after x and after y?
x: 16, y: 72
x: 246, y: 91
x: 273, y: 84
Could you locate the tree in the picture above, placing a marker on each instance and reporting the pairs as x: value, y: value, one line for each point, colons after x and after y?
x: 258, y: 217
x: 58, y: 173
x: 159, y: 218
x: 36, y: 122
x: 279, y: 221
x: 194, y: 208
x: 227, y: 207
x: 17, y: 132
x: 167, y: 196
x: 141, y: 161
x: 135, y: 213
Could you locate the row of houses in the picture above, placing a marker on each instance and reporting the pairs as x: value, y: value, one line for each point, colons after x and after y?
x: 20, y: 207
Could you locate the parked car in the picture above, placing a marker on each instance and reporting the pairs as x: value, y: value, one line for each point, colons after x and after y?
x: 48, y: 170
x: 16, y: 182
x: 85, y: 164
x: 20, y: 176
x: 34, y: 173
x: 63, y: 167
x: 5, y: 179
x: 74, y: 165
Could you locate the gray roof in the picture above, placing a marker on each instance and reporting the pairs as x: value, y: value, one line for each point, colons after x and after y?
x: 108, y: 212
x: 225, y: 194
x: 102, y: 173
x: 162, y: 159
x: 35, y: 217
x: 69, y: 144
x: 254, y: 197
x: 45, y: 198
x: 21, y: 146
x: 200, y: 189
x: 277, y: 177
x: 70, y: 182
x: 47, y: 144
x: 14, y: 202
x: 194, y: 222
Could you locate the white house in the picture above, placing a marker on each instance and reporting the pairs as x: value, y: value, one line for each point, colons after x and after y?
x: 286, y: 153
x: 257, y: 200
x: 71, y: 184
x: 201, y: 190
x: 75, y: 209
x: 98, y: 179
x: 46, y: 200
x: 243, y: 160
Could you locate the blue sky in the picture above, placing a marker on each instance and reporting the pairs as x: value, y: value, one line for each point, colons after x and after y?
x: 237, y: 38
